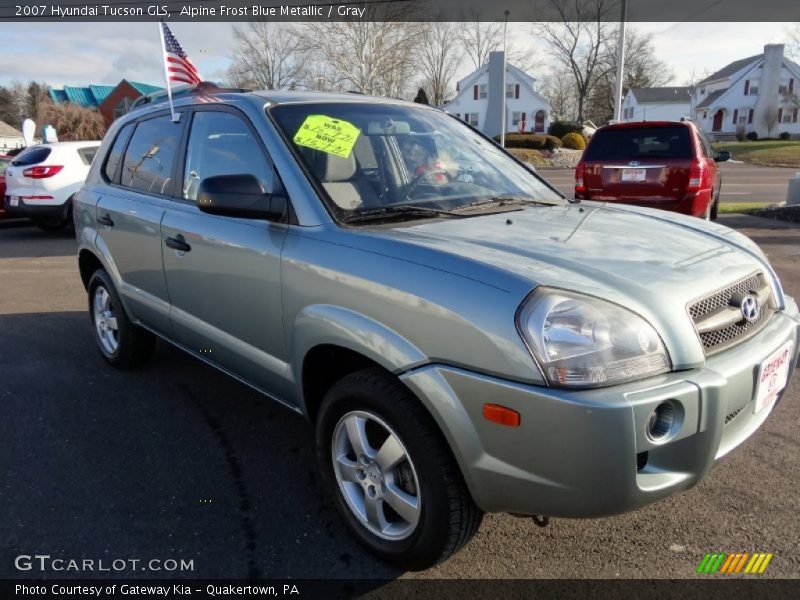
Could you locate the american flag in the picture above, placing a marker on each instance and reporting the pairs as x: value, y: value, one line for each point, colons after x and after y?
x: 179, y: 66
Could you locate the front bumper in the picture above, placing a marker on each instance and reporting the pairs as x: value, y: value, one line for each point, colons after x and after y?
x: 575, y: 452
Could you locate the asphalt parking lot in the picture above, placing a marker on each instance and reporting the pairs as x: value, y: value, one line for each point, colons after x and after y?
x: 740, y: 182
x: 178, y: 461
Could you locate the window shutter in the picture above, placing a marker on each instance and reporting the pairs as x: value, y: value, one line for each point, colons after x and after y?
x: 746, y: 87
x: 474, y: 92
x: 750, y: 116
x: 516, y: 90
x: 791, y: 85
x: 794, y: 116
x: 735, y: 115
x: 780, y: 115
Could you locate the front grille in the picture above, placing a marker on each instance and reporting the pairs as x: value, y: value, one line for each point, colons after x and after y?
x: 714, y: 341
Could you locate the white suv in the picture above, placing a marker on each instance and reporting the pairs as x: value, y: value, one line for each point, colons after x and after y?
x: 41, y: 180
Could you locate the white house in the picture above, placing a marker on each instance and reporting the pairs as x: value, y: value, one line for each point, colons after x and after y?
x: 657, y: 104
x: 10, y: 138
x: 479, y: 102
x: 759, y: 93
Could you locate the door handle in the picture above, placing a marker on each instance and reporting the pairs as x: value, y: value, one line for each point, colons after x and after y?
x: 106, y: 220
x: 177, y: 243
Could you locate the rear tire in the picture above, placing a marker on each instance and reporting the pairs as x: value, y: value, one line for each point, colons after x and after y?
x: 123, y: 344
x: 56, y: 223
x: 437, y: 515
x: 715, y: 208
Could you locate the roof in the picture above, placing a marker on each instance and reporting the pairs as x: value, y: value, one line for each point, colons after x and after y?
x: 711, y: 98
x: 7, y: 130
x: 731, y: 68
x: 662, y: 94
x: 144, y: 88
x: 92, y: 96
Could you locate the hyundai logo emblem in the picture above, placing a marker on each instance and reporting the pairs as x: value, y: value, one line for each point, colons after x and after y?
x: 750, y: 308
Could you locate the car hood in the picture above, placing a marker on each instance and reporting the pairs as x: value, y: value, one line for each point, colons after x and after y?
x: 652, y: 262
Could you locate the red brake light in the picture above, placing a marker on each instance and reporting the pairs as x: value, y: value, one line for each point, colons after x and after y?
x: 698, y: 176
x: 42, y: 172
x: 579, y: 187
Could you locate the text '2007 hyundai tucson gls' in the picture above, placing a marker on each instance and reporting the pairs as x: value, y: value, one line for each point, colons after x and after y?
x: 463, y: 339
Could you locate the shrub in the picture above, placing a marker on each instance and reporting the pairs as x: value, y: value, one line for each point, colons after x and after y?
x: 533, y: 157
x: 752, y: 136
x: 531, y: 141
x: 561, y: 128
x: 740, y: 133
x: 574, y: 141
x: 785, y: 135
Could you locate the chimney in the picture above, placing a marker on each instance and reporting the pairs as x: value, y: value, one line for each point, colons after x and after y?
x: 768, y: 86
x: 494, y: 106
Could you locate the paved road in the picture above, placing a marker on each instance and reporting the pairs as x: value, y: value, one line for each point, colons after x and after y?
x: 740, y: 182
x: 178, y: 461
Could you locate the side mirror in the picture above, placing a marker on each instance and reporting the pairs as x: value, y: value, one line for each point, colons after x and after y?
x: 722, y: 156
x: 241, y: 196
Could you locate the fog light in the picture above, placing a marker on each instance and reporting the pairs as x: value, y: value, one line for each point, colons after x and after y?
x: 661, y: 421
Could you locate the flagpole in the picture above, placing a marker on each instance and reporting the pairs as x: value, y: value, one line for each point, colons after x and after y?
x: 166, y: 71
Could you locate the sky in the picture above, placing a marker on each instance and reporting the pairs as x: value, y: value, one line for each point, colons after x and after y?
x: 104, y: 53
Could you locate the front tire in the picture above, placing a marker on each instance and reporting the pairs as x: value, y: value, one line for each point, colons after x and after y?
x: 123, y: 344
x: 392, y: 474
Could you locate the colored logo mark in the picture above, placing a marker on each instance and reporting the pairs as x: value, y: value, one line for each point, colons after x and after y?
x: 742, y: 562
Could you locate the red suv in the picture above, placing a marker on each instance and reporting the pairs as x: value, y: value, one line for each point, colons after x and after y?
x: 4, y: 162
x: 660, y: 164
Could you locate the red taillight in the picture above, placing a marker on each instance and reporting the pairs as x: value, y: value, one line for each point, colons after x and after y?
x: 698, y: 176
x: 579, y: 187
x: 42, y: 172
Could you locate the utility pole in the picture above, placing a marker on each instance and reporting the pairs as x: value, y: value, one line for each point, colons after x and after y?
x: 620, y: 63
x: 503, y: 87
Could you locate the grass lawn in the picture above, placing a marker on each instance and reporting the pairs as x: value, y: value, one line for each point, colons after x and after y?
x: 536, y: 158
x: 726, y: 208
x: 769, y: 153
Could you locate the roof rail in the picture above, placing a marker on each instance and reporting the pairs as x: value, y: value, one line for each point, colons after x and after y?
x: 204, y: 87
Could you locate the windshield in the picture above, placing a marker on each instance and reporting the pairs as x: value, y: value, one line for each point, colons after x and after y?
x: 383, y: 157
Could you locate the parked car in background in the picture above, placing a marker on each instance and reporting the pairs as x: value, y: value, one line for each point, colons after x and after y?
x: 660, y: 164
x: 4, y: 162
x: 462, y: 338
x: 41, y: 180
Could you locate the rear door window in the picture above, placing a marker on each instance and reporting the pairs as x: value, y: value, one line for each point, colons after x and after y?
x: 3, y: 165
x: 150, y: 156
x: 115, y: 154
x: 31, y: 156
x: 640, y: 143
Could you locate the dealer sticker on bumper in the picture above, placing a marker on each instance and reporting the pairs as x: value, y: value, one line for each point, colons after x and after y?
x: 772, y: 376
x: 13, y: 200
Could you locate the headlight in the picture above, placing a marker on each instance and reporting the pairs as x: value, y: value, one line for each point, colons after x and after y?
x: 580, y: 341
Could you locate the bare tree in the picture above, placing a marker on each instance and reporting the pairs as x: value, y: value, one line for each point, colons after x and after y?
x: 558, y: 87
x: 267, y: 56
x: 642, y: 69
x: 579, y: 45
x: 769, y: 119
x: 438, y: 59
x: 374, y: 55
x: 793, y: 33
x: 478, y: 39
x: 71, y: 121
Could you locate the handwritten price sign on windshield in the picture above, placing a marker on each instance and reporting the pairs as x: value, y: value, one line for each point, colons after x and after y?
x: 326, y: 134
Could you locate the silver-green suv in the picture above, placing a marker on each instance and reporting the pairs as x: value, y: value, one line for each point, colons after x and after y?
x: 464, y: 339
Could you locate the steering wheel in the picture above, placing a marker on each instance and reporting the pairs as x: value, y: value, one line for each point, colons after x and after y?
x: 414, y: 183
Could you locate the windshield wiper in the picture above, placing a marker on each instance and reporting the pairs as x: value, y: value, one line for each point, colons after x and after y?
x: 501, y: 201
x: 400, y: 209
